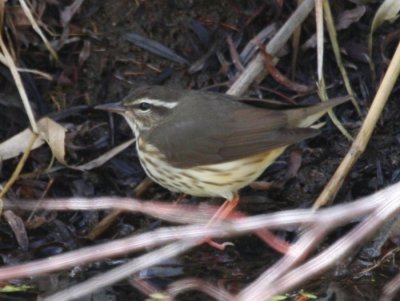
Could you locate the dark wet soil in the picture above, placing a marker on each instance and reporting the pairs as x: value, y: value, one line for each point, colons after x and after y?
x: 99, y: 65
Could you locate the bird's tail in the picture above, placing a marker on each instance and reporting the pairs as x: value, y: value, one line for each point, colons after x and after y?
x: 306, y: 116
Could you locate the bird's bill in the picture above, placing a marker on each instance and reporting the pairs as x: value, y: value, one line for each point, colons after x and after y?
x: 115, y: 107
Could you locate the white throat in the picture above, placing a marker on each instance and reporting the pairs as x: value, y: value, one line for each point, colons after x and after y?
x: 133, y: 127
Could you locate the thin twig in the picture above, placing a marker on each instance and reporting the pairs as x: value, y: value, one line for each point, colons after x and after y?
x: 361, y: 141
x: 256, y: 67
x: 20, y: 86
x: 19, y: 167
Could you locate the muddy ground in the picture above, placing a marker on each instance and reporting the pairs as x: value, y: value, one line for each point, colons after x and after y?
x: 99, y: 65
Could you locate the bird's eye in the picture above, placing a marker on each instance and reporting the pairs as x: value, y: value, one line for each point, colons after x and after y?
x: 144, y: 106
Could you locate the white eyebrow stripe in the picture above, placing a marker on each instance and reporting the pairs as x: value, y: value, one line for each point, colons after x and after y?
x: 160, y: 103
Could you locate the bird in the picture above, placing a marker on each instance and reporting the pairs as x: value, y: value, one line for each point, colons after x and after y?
x: 209, y: 144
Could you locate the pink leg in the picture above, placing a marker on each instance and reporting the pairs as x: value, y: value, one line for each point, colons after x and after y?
x: 226, y: 211
x: 267, y: 236
x: 222, y: 213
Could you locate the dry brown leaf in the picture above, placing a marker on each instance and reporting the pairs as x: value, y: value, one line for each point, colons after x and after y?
x: 54, y: 134
x: 50, y: 131
x: 17, y: 144
x: 348, y: 17
x: 18, y: 228
x: 69, y: 12
x: 387, y: 11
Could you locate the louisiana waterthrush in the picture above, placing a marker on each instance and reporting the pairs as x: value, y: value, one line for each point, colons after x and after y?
x: 210, y: 144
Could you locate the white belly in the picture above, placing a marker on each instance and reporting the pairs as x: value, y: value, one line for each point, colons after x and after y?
x: 223, y: 179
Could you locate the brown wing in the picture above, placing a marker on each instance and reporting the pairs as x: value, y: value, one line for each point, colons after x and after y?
x: 210, y: 136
